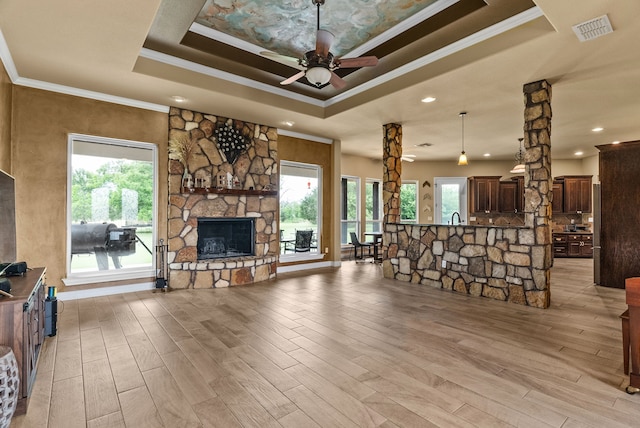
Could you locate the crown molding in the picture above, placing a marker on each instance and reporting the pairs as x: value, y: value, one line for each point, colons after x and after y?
x: 302, y: 136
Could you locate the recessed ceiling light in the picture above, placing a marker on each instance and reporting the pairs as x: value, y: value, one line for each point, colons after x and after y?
x: 428, y: 99
x: 616, y: 142
x: 178, y: 99
x: 486, y: 155
x: 578, y: 153
x: 598, y: 129
x: 288, y: 122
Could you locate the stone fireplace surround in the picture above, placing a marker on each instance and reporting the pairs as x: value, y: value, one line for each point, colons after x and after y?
x: 257, y: 171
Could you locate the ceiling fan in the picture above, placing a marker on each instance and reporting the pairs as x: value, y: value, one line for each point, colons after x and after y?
x: 318, y: 65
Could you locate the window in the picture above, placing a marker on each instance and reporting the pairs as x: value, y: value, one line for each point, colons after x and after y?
x: 409, y: 202
x: 451, y: 197
x: 373, y: 205
x: 300, y: 208
x: 111, y: 209
x: 349, y: 208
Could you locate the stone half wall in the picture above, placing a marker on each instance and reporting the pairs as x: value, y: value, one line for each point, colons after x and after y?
x: 256, y: 168
x: 502, y: 263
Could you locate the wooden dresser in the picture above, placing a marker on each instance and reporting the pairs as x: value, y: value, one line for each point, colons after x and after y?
x: 22, y: 326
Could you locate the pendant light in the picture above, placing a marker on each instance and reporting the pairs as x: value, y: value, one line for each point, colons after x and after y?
x: 462, y: 160
x: 519, y: 168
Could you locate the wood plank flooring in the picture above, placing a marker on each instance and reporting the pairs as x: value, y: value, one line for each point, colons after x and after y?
x: 337, y: 348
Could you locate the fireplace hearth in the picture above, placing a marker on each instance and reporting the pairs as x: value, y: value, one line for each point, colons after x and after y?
x: 225, y: 237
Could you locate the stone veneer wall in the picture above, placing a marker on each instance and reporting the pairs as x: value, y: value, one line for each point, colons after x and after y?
x: 503, y: 263
x: 495, y: 262
x: 256, y: 167
x: 392, y: 172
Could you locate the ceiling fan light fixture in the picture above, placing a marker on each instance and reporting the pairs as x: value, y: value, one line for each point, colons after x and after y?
x: 318, y: 76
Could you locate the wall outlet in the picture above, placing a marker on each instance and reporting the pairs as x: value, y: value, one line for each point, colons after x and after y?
x: 490, y: 220
x: 326, y: 250
x: 429, y: 218
x: 472, y: 219
x: 444, y: 264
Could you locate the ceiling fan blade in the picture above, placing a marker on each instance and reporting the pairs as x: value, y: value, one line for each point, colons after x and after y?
x: 283, y: 59
x: 363, y: 61
x: 406, y: 159
x: 323, y: 42
x: 292, y: 78
x: 337, y: 81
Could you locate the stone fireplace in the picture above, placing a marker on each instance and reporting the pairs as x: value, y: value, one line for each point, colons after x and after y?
x: 222, y: 236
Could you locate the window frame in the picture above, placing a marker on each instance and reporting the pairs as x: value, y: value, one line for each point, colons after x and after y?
x: 311, y: 255
x: 378, y: 195
x: 80, y: 278
x: 417, y: 194
x: 345, y: 238
x: 463, y: 197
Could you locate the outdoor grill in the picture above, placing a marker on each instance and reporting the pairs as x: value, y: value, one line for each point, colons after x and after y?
x: 104, y: 240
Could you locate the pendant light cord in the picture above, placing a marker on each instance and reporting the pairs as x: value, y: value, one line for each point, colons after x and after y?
x: 462, y: 115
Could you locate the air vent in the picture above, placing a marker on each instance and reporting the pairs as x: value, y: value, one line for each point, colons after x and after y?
x: 593, y: 28
x: 424, y: 145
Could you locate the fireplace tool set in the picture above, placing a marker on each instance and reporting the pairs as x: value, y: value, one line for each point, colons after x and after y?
x: 162, y: 282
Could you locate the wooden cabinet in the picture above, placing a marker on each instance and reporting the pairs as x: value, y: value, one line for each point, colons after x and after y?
x: 483, y: 194
x: 511, y: 195
x: 557, y: 203
x: 576, y: 194
x: 22, y: 326
x: 572, y: 245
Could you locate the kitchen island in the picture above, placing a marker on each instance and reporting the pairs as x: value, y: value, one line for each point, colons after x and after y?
x: 499, y: 262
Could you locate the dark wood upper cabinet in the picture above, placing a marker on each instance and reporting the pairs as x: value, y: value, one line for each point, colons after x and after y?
x: 511, y: 195
x: 577, y: 194
x: 483, y: 194
x: 557, y: 203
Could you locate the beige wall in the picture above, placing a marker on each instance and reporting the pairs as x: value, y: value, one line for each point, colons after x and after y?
x: 41, y: 122
x: 299, y: 150
x: 5, y: 120
x: 591, y: 166
x: 364, y: 168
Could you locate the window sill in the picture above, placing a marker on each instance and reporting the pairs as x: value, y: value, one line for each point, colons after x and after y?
x: 107, y: 276
x: 300, y: 257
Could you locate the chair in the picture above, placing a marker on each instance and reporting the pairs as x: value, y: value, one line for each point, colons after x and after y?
x: 362, y: 245
x: 302, y: 243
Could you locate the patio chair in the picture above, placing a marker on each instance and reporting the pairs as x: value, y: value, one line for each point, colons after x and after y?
x: 302, y: 243
x: 361, y: 245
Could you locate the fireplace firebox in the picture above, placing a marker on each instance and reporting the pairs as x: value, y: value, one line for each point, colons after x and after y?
x: 225, y: 237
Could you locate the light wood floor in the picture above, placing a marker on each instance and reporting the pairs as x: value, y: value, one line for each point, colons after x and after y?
x: 338, y: 348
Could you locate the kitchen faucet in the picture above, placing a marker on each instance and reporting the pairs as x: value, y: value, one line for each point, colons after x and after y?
x: 455, y: 213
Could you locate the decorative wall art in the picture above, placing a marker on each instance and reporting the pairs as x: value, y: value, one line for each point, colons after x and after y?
x: 231, y: 142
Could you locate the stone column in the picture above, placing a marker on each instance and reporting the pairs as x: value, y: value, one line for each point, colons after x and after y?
x: 392, y: 172
x: 538, y: 187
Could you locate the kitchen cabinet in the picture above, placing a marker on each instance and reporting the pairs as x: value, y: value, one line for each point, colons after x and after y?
x: 557, y: 203
x: 573, y: 245
x: 511, y: 195
x: 483, y: 194
x: 577, y: 194
x: 22, y: 327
